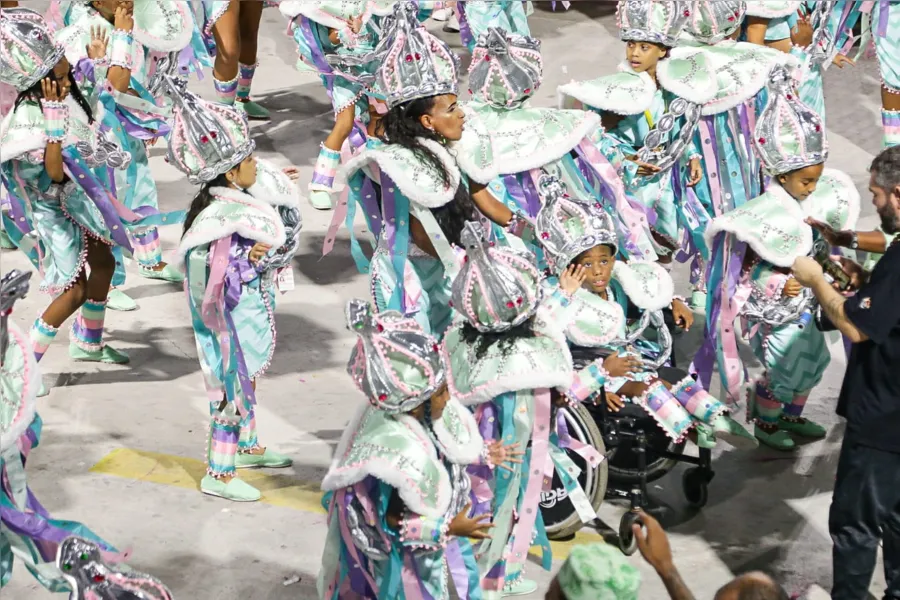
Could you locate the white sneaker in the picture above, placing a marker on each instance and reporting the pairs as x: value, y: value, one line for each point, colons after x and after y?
x: 442, y: 14
x: 452, y: 24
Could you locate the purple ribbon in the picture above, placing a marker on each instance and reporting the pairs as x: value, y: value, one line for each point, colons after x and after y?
x: 238, y: 272
x: 884, y: 8
x: 458, y: 571
x: 369, y: 200
x: 99, y: 195
x: 465, y: 32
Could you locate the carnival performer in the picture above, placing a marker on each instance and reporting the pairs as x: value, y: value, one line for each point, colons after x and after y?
x: 50, y: 146
x: 414, y: 194
x: 231, y: 30
x: 655, y: 86
x: 397, y: 492
x: 61, y: 555
x: 156, y: 26
x: 577, y: 236
x: 753, y: 250
x: 505, y: 72
x: 477, y: 16
x: 241, y: 231
x: 508, y: 358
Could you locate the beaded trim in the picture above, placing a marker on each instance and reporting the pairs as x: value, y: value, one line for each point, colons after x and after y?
x: 56, y: 120
x: 120, y: 43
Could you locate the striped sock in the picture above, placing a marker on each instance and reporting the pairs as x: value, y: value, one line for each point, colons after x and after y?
x: 248, y: 440
x: 147, y: 248
x: 767, y: 408
x: 87, y: 331
x: 326, y: 169
x: 245, y: 80
x: 226, y: 91
x: 890, y: 120
x: 795, y: 408
x: 42, y: 335
x: 222, y: 446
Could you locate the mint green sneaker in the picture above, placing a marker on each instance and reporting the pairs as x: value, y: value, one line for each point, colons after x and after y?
x: 119, y: 300
x: 803, y: 427
x: 254, y: 111
x: 522, y: 587
x: 167, y: 273
x: 706, y: 437
x: 779, y: 440
x: 698, y: 300
x: 733, y: 433
x: 106, y: 354
x: 267, y: 460
x: 320, y: 200
x: 235, y: 490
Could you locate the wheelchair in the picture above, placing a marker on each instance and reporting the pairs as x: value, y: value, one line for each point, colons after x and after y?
x: 637, y: 451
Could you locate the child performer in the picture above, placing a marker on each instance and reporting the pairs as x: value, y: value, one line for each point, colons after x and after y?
x: 240, y: 229
x: 576, y: 235
x: 508, y: 356
x: 749, y: 276
x: 397, y: 492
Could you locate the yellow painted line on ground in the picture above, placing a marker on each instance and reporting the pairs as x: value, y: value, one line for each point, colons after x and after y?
x: 277, y: 490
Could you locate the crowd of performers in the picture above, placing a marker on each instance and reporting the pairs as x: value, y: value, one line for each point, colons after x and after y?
x: 505, y: 235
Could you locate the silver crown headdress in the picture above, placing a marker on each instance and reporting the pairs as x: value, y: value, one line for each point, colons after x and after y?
x: 82, y: 566
x: 395, y: 363
x: 823, y: 48
x: 13, y: 286
x: 712, y: 21
x: 566, y: 226
x: 789, y: 135
x: 657, y: 21
x: 207, y: 139
x: 506, y: 68
x: 27, y: 48
x: 497, y: 288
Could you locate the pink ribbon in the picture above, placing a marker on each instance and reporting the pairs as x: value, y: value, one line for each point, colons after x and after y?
x: 732, y: 307
x: 212, y: 311
x: 540, y: 454
x: 412, y: 588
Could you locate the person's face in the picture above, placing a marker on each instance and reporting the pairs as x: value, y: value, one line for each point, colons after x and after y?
x: 732, y: 590
x: 445, y: 118
x: 243, y: 175
x: 107, y: 8
x: 887, y: 203
x: 598, y: 263
x: 438, y: 401
x: 643, y: 56
x: 802, y: 182
x: 61, y: 72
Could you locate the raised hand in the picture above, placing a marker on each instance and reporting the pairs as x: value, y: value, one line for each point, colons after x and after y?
x: 53, y: 91
x: 96, y: 49
x: 572, y: 278
x: 501, y: 454
x: 831, y: 235
x: 477, y: 528
x: 124, y: 17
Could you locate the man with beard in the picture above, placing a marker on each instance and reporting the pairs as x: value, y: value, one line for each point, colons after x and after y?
x: 866, y: 502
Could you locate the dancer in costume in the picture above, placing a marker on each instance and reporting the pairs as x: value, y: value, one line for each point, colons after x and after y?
x: 241, y: 230
x: 505, y: 73
x: 509, y: 358
x: 412, y: 190
x: 397, y: 491
x: 753, y: 250
x: 44, y: 544
x: 231, y: 30
x: 578, y: 236
x: 54, y: 167
x: 135, y: 117
x: 641, y: 107
x: 477, y: 16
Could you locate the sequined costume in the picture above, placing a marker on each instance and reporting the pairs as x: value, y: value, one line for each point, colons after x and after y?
x: 397, y: 480
x: 477, y: 16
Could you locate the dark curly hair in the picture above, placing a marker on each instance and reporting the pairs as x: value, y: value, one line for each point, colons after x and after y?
x: 35, y: 94
x: 401, y: 126
x: 506, y: 339
x: 202, y: 200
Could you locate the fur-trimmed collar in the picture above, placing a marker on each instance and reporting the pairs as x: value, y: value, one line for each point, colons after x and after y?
x: 626, y: 274
x: 466, y: 448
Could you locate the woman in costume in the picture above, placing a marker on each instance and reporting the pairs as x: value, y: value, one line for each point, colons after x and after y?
x: 55, y: 168
x: 509, y: 358
x: 60, y: 555
x: 134, y: 117
x: 577, y: 235
x: 753, y: 250
x: 505, y: 73
x: 397, y: 491
x: 241, y: 230
x: 415, y: 195
x: 651, y: 107
x: 477, y: 16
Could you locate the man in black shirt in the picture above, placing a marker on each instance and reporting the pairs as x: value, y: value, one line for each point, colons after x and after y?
x: 866, y: 502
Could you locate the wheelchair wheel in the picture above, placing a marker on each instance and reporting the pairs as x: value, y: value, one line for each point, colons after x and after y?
x: 560, y: 518
x: 695, y: 485
x: 623, y: 462
x: 627, y: 541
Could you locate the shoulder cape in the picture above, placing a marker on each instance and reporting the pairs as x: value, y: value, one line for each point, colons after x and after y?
x: 20, y: 379
x: 22, y: 131
x: 772, y: 9
x: 330, y: 13
x: 160, y: 25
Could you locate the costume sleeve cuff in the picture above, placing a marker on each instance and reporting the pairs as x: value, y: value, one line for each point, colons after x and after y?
x: 423, y: 533
x: 587, y: 382
x: 120, y: 49
x: 56, y: 120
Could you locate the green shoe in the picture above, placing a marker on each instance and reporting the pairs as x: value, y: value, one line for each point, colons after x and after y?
x: 779, y: 440
x: 119, y: 300
x: 254, y: 111
x: 320, y: 199
x: 804, y: 428
x: 267, y: 460
x: 698, y: 300
x: 167, y: 273
x: 236, y: 490
x: 5, y: 242
x: 106, y: 354
x: 522, y: 587
x: 706, y: 437
x: 734, y: 433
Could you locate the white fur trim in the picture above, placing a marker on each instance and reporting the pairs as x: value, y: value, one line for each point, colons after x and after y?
x: 750, y: 88
x: 465, y: 454
x: 853, y: 195
x: 295, y: 8
x: 270, y: 195
x: 767, y: 9
x: 474, y: 127
x: 177, y: 43
x: 19, y: 340
x: 574, y: 90
x: 697, y: 96
x: 17, y: 149
x: 625, y: 274
x: 547, y: 154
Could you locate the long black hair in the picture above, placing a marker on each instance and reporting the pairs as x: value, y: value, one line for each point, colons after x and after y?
x: 484, y: 341
x: 35, y: 94
x: 202, y: 200
x: 402, y: 126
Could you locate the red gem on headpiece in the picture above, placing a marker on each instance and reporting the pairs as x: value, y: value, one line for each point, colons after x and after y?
x: 789, y: 97
x: 213, y: 134
x: 409, y: 58
x: 379, y: 327
x: 687, y: 13
x: 470, y: 91
x: 436, y: 348
x: 382, y: 397
x: 510, y: 305
x: 99, y: 578
x: 450, y: 303
x: 519, y: 300
x: 204, y: 139
x: 545, y: 235
x: 731, y: 18
x: 527, y: 90
x: 418, y: 56
x: 762, y: 140
x: 818, y: 127
x: 487, y: 58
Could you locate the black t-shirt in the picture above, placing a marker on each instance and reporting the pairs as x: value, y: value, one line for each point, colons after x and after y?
x: 870, y: 396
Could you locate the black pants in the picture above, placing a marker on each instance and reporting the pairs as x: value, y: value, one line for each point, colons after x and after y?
x: 865, y: 508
